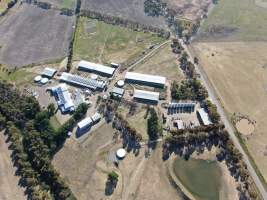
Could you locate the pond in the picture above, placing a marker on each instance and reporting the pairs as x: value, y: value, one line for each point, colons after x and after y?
x: 201, y: 178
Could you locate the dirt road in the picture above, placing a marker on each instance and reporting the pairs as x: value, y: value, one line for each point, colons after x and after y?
x: 9, y: 189
x: 214, y: 98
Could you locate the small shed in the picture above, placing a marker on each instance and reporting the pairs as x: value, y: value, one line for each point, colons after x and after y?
x: 48, y: 72
x: 96, y: 117
x: 117, y: 92
x: 179, y: 124
x: 203, y: 117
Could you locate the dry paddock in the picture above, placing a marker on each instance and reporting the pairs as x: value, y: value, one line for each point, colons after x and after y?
x: 84, y: 165
x: 132, y: 10
x: 238, y: 72
x: 33, y: 35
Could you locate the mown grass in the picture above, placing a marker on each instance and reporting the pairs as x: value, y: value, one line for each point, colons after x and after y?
x: 249, y: 19
x: 68, y: 3
x: 101, y: 42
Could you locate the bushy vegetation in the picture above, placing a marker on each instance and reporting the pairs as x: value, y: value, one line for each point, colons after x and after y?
x: 189, y: 90
x: 154, y: 125
x: 34, y: 141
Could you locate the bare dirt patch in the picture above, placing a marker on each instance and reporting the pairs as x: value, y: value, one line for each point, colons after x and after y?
x: 9, y: 188
x: 34, y: 35
x: 238, y: 74
x: 132, y: 10
x: 245, y: 127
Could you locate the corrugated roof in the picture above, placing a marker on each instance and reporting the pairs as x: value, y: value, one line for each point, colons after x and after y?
x: 117, y: 90
x: 89, y: 83
x: 145, y: 78
x: 85, y: 123
x: 85, y: 65
x: 49, y: 72
x: 142, y: 94
x: 204, y: 116
x: 96, y: 117
x: 179, y: 124
x: 65, y: 102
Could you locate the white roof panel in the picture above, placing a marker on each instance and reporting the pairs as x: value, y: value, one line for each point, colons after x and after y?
x: 142, y: 94
x: 204, y: 116
x: 49, y: 72
x: 145, y: 78
x: 96, y: 117
x: 85, y: 123
x: 95, y: 67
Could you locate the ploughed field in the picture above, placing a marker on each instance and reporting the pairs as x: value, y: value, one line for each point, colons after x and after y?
x: 34, y: 35
x: 132, y: 10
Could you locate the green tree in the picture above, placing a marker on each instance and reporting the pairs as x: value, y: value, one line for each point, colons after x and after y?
x: 51, y: 109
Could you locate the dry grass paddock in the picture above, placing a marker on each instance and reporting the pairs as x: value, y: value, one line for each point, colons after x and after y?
x: 238, y: 72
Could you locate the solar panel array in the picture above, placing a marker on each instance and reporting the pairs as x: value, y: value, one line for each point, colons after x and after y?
x: 174, y: 108
x: 182, y: 105
x: 86, y: 82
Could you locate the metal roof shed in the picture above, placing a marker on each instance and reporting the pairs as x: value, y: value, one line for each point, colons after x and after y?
x: 146, y: 95
x: 93, y: 67
x: 48, y: 72
x: 117, y: 91
x: 96, y: 117
x: 145, y: 79
x: 85, y: 123
x: 204, y: 117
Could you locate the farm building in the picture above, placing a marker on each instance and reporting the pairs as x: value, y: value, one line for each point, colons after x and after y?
x: 146, y: 96
x: 85, y: 123
x: 95, y: 68
x: 114, y: 65
x: 181, y: 107
x: 203, y: 117
x: 117, y: 92
x: 96, y: 117
x: 48, y: 72
x: 84, y: 82
x: 145, y: 79
x: 63, y: 96
x: 179, y: 124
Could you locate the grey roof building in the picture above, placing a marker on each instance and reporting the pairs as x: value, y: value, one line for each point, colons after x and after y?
x: 203, y: 117
x: 118, y: 92
x: 146, y: 96
x: 96, y: 68
x: 48, y: 72
x: 145, y: 79
x: 81, y: 81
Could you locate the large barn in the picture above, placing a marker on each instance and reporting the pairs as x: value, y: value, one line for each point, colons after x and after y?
x: 96, y: 68
x: 81, y: 81
x: 146, y: 96
x: 145, y: 79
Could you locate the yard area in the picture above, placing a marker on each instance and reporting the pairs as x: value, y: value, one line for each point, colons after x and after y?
x: 237, y: 71
x: 235, y: 20
x: 19, y: 77
x: 99, y: 42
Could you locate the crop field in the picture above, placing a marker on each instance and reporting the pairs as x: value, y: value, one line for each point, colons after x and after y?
x: 127, y: 9
x: 237, y: 71
x: 189, y: 9
x: 163, y: 62
x: 100, y: 42
x: 26, y: 43
x: 62, y: 3
x: 236, y: 20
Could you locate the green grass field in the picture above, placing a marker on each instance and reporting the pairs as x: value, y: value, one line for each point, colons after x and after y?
x: 67, y: 3
x: 249, y: 20
x: 20, y: 76
x: 100, y: 42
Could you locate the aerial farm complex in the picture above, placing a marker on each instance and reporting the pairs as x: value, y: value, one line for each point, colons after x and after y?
x: 132, y: 100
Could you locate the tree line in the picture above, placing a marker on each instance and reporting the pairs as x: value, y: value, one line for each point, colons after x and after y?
x: 34, y: 142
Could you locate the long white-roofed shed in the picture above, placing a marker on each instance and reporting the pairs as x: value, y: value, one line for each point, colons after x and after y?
x: 203, y: 117
x: 146, y: 95
x: 85, y: 123
x: 145, y: 79
x: 96, y: 68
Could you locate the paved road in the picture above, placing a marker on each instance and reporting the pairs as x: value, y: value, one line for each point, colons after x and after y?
x: 214, y: 98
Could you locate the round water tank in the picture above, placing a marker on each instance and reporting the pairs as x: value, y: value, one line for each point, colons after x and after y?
x: 120, y: 83
x: 44, y: 80
x: 121, y: 153
x: 37, y: 78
